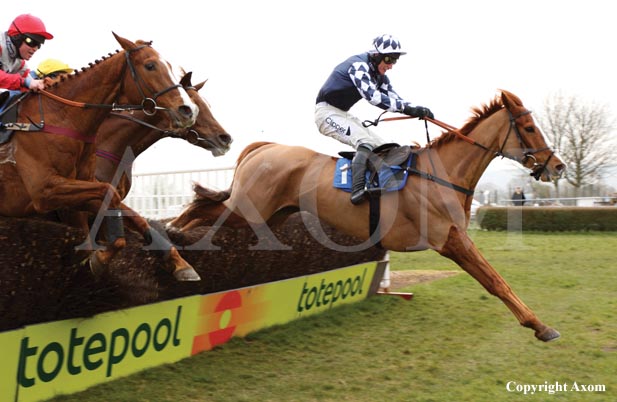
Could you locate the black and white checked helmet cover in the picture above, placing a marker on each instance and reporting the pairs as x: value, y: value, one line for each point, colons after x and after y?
x: 385, y: 44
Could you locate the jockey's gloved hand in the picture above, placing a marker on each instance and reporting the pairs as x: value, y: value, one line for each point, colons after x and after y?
x: 418, y: 111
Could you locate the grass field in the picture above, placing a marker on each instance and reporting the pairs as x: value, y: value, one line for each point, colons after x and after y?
x: 452, y: 342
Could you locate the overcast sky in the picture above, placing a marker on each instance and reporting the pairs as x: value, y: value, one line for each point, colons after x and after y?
x: 266, y: 60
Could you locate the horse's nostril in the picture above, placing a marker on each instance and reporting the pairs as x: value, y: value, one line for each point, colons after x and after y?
x: 225, y: 139
x: 186, y: 111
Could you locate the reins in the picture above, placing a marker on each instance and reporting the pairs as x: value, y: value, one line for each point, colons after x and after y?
x: 115, y: 158
x: 83, y: 105
x: 527, y: 152
x: 143, y: 123
x: 426, y: 175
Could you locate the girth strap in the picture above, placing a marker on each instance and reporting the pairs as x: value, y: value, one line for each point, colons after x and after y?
x: 48, y: 128
x: 374, y: 200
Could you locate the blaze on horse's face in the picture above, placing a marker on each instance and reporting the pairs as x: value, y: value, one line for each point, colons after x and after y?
x: 533, y: 150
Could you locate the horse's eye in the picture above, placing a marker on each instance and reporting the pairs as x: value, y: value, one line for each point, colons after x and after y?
x: 150, y: 66
x: 530, y: 129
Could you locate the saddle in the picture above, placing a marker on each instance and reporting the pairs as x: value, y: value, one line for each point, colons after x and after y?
x: 391, y: 153
x: 387, y: 170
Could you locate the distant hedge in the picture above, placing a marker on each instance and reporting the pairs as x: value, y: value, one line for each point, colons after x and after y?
x: 548, y: 219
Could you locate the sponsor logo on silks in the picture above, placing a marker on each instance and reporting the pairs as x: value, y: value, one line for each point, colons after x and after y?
x: 329, y: 293
x: 44, y: 362
x: 339, y: 129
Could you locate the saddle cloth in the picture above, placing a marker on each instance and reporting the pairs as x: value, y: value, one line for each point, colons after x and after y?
x: 388, y: 171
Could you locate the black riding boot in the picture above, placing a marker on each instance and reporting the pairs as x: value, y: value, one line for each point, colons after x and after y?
x: 358, y: 174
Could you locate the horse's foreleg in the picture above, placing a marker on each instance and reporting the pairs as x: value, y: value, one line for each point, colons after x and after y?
x: 463, y: 251
x: 98, y: 259
x: 181, y: 269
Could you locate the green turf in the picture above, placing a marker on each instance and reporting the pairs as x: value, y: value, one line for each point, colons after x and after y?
x: 452, y: 342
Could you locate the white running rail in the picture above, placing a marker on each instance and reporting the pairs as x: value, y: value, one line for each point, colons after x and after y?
x: 164, y: 194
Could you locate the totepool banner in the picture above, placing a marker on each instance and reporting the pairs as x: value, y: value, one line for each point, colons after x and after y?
x: 62, y: 357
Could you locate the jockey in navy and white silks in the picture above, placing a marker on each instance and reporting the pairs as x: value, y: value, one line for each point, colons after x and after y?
x: 361, y: 76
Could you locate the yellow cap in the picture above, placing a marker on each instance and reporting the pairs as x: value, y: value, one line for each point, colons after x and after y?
x: 50, y: 66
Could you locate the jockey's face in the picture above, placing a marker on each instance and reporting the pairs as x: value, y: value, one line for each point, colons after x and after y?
x: 387, y: 62
x: 383, y: 67
x: 26, y: 51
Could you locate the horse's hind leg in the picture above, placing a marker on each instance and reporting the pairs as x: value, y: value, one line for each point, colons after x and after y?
x: 181, y: 269
x: 463, y: 251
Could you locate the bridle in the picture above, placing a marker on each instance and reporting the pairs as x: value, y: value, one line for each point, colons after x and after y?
x: 190, y: 135
x: 528, y: 153
x: 150, y: 101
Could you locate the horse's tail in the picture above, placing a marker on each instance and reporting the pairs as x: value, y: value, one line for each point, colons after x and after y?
x: 206, y: 196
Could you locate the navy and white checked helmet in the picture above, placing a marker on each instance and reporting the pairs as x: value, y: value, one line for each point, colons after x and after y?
x: 385, y: 44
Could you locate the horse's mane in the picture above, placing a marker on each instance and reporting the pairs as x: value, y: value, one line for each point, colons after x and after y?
x: 62, y: 78
x: 480, y: 113
x: 53, y: 82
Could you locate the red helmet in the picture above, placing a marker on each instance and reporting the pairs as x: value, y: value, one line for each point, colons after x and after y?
x: 29, y: 24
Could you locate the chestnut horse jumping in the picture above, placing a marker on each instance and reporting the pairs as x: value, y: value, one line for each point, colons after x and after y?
x: 430, y: 212
x: 49, y: 166
x: 138, y: 131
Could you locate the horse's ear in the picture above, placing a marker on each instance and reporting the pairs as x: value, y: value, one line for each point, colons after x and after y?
x: 185, y: 81
x: 125, y: 43
x: 504, y: 98
x: 510, y: 100
x: 200, y: 85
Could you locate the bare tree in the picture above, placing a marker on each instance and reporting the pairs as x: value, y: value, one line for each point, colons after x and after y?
x: 581, y: 132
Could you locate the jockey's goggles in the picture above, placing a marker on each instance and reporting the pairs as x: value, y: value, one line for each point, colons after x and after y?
x: 390, y: 59
x: 33, y: 43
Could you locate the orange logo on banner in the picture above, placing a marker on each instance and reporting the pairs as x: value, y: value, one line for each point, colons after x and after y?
x: 218, y: 321
x: 225, y: 307
x: 233, y: 313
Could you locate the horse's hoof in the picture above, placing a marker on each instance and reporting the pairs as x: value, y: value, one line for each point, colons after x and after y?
x: 547, y: 334
x: 96, y: 265
x: 186, y: 274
